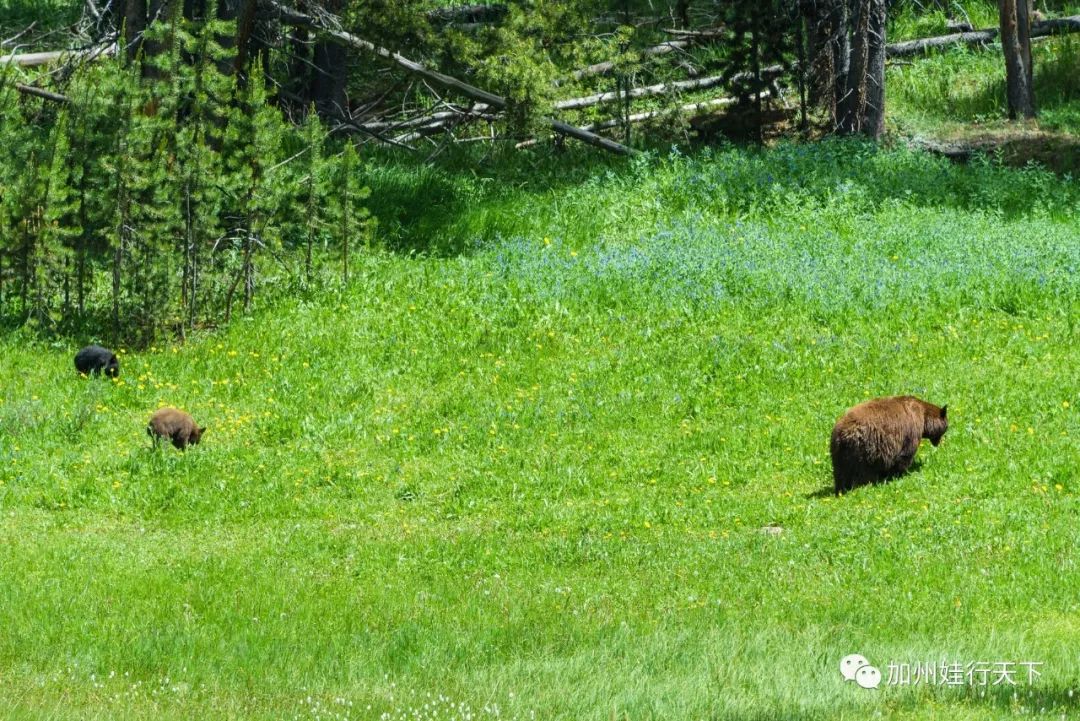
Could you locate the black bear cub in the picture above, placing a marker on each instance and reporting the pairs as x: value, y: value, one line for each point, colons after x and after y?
x: 177, y: 426
x: 93, y: 359
x: 877, y: 440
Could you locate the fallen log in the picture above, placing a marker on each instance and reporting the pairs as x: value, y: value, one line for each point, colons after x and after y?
x: 658, y: 89
x: 956, y: 152
x: 648, y: 115
x: 700, y: 83
x: 41, y: 93
x: 294, y: 17
x: 768, y: 74
x: 708, y: 34
x: 606, y: 67
x: 474, y: 113
x: 979, y: 37
x: 29, y: 60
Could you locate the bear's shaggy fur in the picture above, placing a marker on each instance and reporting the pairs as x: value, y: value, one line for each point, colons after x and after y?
x: 177, y: 426
x: 93, y: 359
x: 877, y: 440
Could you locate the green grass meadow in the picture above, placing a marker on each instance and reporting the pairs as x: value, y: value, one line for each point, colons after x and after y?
x: 523, y: 472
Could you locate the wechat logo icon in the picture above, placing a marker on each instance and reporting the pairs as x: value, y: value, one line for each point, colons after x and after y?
x: 855, y: 667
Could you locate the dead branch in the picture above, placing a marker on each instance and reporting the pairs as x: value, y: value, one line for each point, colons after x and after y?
x: 29, y: 60
x: 708, y: 34
x: 768, y: 73
x: 16, y: 36
x: 682, y: 110
x: 607, y: 67
x: 294, y: 17
x: 979, y: 37
x: 649, y: 115
x: 474, y: 113
x: 39, y: 92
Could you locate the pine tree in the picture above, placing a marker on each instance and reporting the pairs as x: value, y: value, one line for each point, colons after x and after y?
x: 350, y: 218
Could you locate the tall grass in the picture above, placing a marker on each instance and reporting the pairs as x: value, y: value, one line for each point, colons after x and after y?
x: 968, y: 86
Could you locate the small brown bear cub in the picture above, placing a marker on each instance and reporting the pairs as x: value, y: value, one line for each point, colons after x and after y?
x: 177, y: 426
x: 93, y: 359
x: 877, y: 440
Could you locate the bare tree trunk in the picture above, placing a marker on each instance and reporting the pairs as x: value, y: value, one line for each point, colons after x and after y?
x: 755, y: 68
x: 1018, y: 90
x: 841, y: 54
x: 873, y: 121
x: 327, y: 88
x: 852, y: 104
x: 244, y: 28
x: 819, y: 49
x: 328, y: 74
x: 134, y: 24
x: 682, y: 13
x: 1023, y: 26
x: 801, y: 58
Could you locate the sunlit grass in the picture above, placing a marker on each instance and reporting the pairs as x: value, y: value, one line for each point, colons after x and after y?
x: 966, y: 88
x: 530, y: 481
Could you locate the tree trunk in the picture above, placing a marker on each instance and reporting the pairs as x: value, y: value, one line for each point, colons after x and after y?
x: 819, y: 72
x: 327, y: 85
x: 245, y: 26
x: 853, y: 102
x: 873, y: 120
x: 134, y: 24
x: 160, y: 11
x: 841, y: 54
x: 1023, y: 26
x: 328, y: 72
x: 1018, y: 90
x: 682, y: 13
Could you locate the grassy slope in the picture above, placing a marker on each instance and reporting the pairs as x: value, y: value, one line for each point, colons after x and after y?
x: 529, y: 482
x: 958, y: 96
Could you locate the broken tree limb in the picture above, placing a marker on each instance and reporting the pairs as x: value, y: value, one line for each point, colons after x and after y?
x: 1070, y: 24
x: 39, y: 92
x: 641, y: 117
x: 913, y: 47
x: 708, y: 34
x: 294, y: 17
x: 585, y: 136
x: 607, y: 67
x: 767, y: 74
x: 16, y: 36
x: 979, y: 37
x: 423, y: 121
x: 29, y: 60
x: 683, y: 110
x: 658, y: 89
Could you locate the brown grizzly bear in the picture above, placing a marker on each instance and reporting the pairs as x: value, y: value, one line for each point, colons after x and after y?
x: 877, y: 440
x: 175, y: 425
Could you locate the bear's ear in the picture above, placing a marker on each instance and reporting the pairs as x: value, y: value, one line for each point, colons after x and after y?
x: 202, y: 430
x: 944, y: 409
